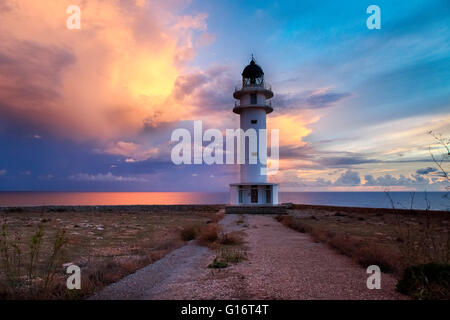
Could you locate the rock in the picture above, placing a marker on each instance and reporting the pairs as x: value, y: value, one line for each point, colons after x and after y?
x: 288, y: 205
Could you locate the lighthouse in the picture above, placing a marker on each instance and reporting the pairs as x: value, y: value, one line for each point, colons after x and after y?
x: 253, y: 105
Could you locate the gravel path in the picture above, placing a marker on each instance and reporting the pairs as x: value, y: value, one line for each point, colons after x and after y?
x: 182, y: 265
x: 282, y: 264
x: 286, y: 264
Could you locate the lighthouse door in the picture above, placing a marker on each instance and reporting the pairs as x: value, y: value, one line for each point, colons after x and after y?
x: 268, y: 194
x: 254, y: 195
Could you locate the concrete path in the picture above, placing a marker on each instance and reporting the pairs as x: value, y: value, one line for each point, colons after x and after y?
x: 282, y: 264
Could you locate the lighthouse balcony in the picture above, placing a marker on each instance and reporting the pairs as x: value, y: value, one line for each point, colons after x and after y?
x: 261, y: 88
x: 267, y: 106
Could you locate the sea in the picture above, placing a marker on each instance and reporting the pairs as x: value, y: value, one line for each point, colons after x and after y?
x: 400, y: 200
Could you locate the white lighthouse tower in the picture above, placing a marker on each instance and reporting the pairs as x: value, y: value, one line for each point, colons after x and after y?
x: 253, y: 190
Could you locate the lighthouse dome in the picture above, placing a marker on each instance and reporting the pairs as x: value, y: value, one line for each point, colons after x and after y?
x: 252, y: 71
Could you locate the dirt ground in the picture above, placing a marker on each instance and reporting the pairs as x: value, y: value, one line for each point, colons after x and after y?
x: 281, y: 264
x: 106, y: 242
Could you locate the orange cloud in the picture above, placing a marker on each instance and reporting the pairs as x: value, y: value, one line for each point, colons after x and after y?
x: 104, y: 82
x: 130, y: 149
x: 293, y: 128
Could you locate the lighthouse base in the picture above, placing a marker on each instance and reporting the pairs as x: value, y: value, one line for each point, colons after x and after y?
x: 258, y: 209
x: 254, y: 194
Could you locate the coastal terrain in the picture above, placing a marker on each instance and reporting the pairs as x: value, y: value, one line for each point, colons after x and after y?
x: 197, y: 252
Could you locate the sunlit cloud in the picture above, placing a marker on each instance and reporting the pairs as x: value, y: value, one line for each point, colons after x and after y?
x: 293, y: 127
x: 134, y: 151
x: 107, y: 80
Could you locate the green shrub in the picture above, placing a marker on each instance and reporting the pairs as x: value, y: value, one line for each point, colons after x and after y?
x: 429, y: 281
x: 216, y: 264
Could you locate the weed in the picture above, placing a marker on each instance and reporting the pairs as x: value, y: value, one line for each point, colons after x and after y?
x: 426, y: 281
x: 231, y: 238
x: 231, y: 255
x: 216, y: 264
x: 209, y: 233
x: 189, y: 233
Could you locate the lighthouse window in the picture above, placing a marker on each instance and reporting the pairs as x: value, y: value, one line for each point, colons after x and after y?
x: 253, y: 98
x: 254, y: 121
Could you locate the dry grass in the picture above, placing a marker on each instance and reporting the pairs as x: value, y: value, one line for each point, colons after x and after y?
x: 209, y: 234
x: 231, y: 238
x: 189, y: 233
x: 372, y: 238
x: 232, y: 255
x: 404, y: 242
x: 107, y: 243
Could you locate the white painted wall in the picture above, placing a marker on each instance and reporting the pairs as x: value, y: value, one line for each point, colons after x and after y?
x: 275, y: 194
x: 251, y: 173
x: 234, y: 196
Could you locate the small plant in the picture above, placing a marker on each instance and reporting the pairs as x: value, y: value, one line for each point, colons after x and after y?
x: 216, y: 264
x: 54, y: 260
x: 33, y: 277
x: 426, y: 281
x: 231, y: 238
x: 35, y: 246
x: 209, y: 233
x: 233, y: 255
x: 189, y: 233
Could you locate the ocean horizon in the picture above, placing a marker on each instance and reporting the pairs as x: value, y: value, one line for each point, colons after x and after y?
x: 402, y: 200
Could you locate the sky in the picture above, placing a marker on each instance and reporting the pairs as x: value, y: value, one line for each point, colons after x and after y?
x: 93, y: 109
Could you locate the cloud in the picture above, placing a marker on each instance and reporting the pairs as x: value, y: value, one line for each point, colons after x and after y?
x: 133, y: 151
x: 389, y: 180
x: 348, y: 178
x: 426, y: 170
x: 324, y: 98
x: 106, y: 81
x: 293, y: 128
x: 46, y: 177
x: 3, y: 172
x: 344, y: 161
x: 109, y: 177
x: 312, y: 99
x: 210, y: 89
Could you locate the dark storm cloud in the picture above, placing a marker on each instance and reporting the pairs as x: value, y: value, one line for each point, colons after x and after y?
x: 348, y: 178
x: 309, y: 99
x: 293, y: 152
x: 30, y: 74
x: 323, y: 100
x: 426, y: 170
x: 344, y: 161
x: 389, y: 180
